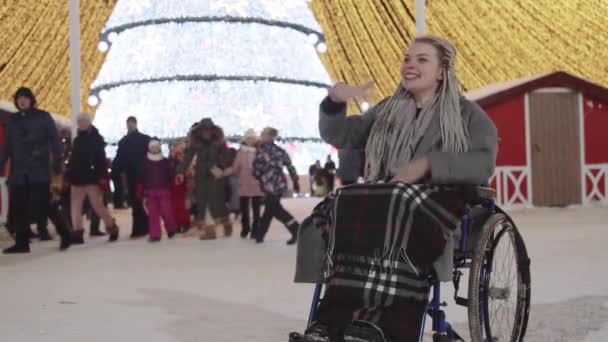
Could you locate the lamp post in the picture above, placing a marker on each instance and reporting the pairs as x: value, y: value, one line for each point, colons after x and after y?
x: 420, y: 17
x: 75, y: 61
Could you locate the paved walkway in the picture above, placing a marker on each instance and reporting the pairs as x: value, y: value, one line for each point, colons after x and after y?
x: 234, y: 290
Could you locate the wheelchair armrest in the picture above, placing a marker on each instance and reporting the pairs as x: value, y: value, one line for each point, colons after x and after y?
x: 478, y: 194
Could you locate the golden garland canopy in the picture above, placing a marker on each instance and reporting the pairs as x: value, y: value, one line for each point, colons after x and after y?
x: 34, y: 49
x: 497, y: 40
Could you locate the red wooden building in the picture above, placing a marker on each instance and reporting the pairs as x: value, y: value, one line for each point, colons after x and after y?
x: 553, y: 141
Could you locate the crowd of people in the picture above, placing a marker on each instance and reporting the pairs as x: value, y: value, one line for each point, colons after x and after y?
x: 57, y: 178
x: 425, y: 137
x: 322, y: 180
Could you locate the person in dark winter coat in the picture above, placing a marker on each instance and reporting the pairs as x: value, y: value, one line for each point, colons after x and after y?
x: 87, y: 173
x: 249, y: 189
x: 155, y: 187
x: 119, y: 194
x: 61, y: 199
x: 131, y: 153
x: 330, y: 173
x: 268, y: 169
x: 313, y: 170
x: 207, y: 144
x: 32, y: 144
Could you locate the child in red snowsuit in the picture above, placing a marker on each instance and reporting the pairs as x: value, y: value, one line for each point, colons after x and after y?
x: 179, y: 191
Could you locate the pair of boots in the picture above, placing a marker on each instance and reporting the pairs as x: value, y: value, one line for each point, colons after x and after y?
x: 245, y: 233
x: 292, y: 228
x: 16, y: 249
x: 208, y: 231
x: 43, y: 234
x: 170, y: 235
x: 78, y: 235
x: 25, y: 248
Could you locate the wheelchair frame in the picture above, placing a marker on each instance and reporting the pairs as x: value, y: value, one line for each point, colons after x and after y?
x: 441, y: 328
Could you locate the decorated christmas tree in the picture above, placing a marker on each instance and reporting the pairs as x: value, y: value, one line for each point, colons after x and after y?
x: 246, y: 64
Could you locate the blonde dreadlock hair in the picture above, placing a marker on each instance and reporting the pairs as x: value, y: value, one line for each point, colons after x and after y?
x: 396, y: 131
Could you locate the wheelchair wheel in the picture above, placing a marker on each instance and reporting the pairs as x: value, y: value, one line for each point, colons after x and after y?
x: 499, y: 284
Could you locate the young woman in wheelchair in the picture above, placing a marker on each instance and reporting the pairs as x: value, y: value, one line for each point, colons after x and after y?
x: 423, y: 140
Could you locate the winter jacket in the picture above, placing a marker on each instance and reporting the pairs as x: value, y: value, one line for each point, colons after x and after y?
x: 87, y: 164
x: 156, y: 175
x: 268, y: 169
x: 330, y: 166
x: 208, y: 154
x: 131, y: 153
x: 473, y: 167
x: 30, y: 141
x: 242, y: 167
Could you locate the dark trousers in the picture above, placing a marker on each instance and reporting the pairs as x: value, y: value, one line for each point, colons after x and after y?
x: 43, y: 222
x: 246, y: 224
x: 29, y: 203
x: 118, y: 196
x: 331, y: 179
x: 60, y: 220
x: 140, y: 219
x: 40, y: 213
x: 66, y: 208
x: 211, y: 194
x: 10, y: 218
x: 274, y: 209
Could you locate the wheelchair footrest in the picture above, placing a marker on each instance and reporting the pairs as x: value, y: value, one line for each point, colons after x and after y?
x: 363, y: 331
x: 441, y: 338
x: 297, y: 337
x: 462, y: 301
x: 356, y: 331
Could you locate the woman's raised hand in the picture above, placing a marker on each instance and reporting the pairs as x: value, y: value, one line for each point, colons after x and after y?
x: 342, y: 92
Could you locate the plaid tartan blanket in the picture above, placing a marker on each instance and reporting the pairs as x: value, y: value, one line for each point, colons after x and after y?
x: 382, y: 242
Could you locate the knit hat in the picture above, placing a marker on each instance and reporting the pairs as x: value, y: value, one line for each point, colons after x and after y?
x: 25, y: 92
x: 206, y: 123
x: 250, y: 134
x: 271, y: 131
x: 154, y: 143
x: 84, y: 117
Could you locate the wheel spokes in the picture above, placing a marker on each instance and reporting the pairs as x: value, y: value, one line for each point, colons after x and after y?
x: 502, y: 285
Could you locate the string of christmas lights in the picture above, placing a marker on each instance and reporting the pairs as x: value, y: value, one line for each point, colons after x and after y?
x: 496, y: 40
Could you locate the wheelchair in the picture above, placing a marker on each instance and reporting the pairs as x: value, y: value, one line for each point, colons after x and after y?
x: 488, y: 246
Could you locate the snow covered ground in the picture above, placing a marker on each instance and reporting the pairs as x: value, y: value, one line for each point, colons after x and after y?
x: 233, y: 290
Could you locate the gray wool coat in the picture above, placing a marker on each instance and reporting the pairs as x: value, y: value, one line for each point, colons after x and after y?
x: 473, y: 167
